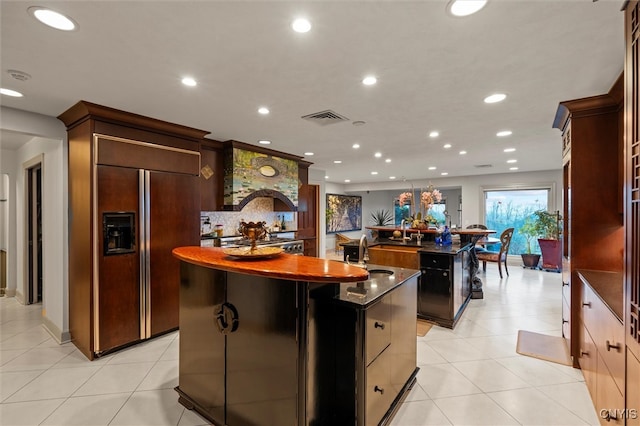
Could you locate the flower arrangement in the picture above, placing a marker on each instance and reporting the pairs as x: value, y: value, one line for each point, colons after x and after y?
x: 430, y: 197
x: 427, y: 199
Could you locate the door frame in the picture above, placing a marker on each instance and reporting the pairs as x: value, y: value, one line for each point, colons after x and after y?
x: 27, y: 166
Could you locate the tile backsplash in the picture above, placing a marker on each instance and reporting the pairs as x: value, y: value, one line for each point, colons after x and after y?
x: 258, y: 209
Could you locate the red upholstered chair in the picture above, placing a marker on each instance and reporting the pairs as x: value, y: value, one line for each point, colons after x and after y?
x: 499, y: 257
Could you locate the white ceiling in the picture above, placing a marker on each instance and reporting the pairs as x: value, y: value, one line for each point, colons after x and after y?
x: 433, y: 72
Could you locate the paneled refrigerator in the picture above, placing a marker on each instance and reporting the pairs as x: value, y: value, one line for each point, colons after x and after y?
x: 134, y: 195
x: 143, y: 214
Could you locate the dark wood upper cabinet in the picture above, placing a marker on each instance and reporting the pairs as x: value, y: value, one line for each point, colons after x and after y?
x: 211, y: 175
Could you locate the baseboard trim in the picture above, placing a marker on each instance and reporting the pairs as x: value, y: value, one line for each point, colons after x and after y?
x: 58, y: 335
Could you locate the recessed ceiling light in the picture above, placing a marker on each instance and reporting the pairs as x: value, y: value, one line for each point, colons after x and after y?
x: 53, y: 19
x: 188, y: 81
x: 10, y: 92
x: 512, y: 161
x: 446, y: 146
x: 465, y: 7
x: 377, y: 154
x: 513, y: 168
x: 504, y: 133
x: 462, y: 152
x: 444, y: 173
x: 263, y: 110
x: 369, y: 80
x: 496, y: 97
x: 392, y: 177
x: 264, y: 142
x: 337, y: 161
x: 374, y: 173
x: 347, y: 180
x: 326, y: 177
x: 432, y: 167
x: 509, y: 149
x: 301, y: 25
x: 355, y: 146
x: 434, y: 134
x: 388, y: 160
x: 308, y: 154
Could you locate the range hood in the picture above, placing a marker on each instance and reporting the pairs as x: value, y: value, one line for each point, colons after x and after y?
x: 251, y: 172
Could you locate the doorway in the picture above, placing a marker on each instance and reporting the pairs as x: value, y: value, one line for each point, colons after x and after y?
x: 33, y: 221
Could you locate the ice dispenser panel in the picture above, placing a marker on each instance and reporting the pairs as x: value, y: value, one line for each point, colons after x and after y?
x: 119, y: 232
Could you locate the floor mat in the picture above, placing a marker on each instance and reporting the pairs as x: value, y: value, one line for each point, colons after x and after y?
x: 423, y: 327
x: 542, y: 346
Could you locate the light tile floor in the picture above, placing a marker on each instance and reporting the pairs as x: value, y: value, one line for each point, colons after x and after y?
x: 469, y: 376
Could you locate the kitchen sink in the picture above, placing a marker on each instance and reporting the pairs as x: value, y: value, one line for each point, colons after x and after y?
x: 379, y: 272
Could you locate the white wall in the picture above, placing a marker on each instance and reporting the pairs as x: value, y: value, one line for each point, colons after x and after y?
x: 50, y: 141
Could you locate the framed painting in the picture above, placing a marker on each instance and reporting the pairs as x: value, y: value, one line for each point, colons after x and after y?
x: 344, y: 213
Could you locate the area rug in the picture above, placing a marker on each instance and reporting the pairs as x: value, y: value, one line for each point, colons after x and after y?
x: 423, y: 327
x: 542, y: 346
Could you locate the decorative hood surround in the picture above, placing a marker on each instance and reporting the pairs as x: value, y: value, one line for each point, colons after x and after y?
x: 250, y: 173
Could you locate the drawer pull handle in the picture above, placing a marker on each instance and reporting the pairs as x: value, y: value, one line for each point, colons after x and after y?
x: 584, y: 353
x: 588, y: 304
x: 610, y: 346
x: 377, y: 389
x: 564, y: 321
x: 565, y: 284
x: 608, y: 416
x: 378, y: 325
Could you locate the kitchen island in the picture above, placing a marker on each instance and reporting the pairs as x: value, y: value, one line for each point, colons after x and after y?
x: 294, y: 340
x: 445, y: 283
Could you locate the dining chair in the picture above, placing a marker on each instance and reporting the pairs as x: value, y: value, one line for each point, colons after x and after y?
x: 477, y: 226
x: 500, y: 256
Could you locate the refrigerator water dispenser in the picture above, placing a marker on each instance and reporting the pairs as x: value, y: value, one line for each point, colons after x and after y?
x: 118, y: 232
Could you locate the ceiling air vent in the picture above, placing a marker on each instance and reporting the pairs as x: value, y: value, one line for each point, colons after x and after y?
x: 325, y: 117
x: 482, y: 166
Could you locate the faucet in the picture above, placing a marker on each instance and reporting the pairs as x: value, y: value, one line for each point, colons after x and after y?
x: 363, y: 253
x: 404, y: 229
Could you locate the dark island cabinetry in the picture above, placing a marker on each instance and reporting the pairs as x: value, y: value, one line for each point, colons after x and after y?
x: 294, y: 340
x: 444, y: 287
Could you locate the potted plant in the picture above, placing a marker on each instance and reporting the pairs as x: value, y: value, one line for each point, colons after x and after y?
x: 528, y: 229
x: 548, y: 228
x: 380, y: 218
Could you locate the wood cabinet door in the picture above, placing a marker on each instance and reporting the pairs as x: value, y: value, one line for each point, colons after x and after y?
x: 116, y: 303
x: 174, y: 221
x: 211, y: 179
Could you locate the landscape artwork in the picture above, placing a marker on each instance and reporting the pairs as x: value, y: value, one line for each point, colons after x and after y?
x: 344, y: 213
x: 249, y: 173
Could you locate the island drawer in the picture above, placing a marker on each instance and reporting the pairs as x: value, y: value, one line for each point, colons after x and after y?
x: 379, y: 393
x: 377, y: 328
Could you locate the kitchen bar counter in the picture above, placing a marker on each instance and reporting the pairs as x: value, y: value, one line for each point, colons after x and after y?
x: 284, y: 266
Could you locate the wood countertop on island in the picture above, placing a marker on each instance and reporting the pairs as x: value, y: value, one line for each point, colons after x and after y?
x: 284, y: 266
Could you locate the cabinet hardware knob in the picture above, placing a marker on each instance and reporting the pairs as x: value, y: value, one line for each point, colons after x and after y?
x: 588, y: 304
x: 377, y: 389
x: 584, y: 353
x: 378, y: 325
x: 564, y: 321
x: 565, y: 284
x: 610, y: 346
